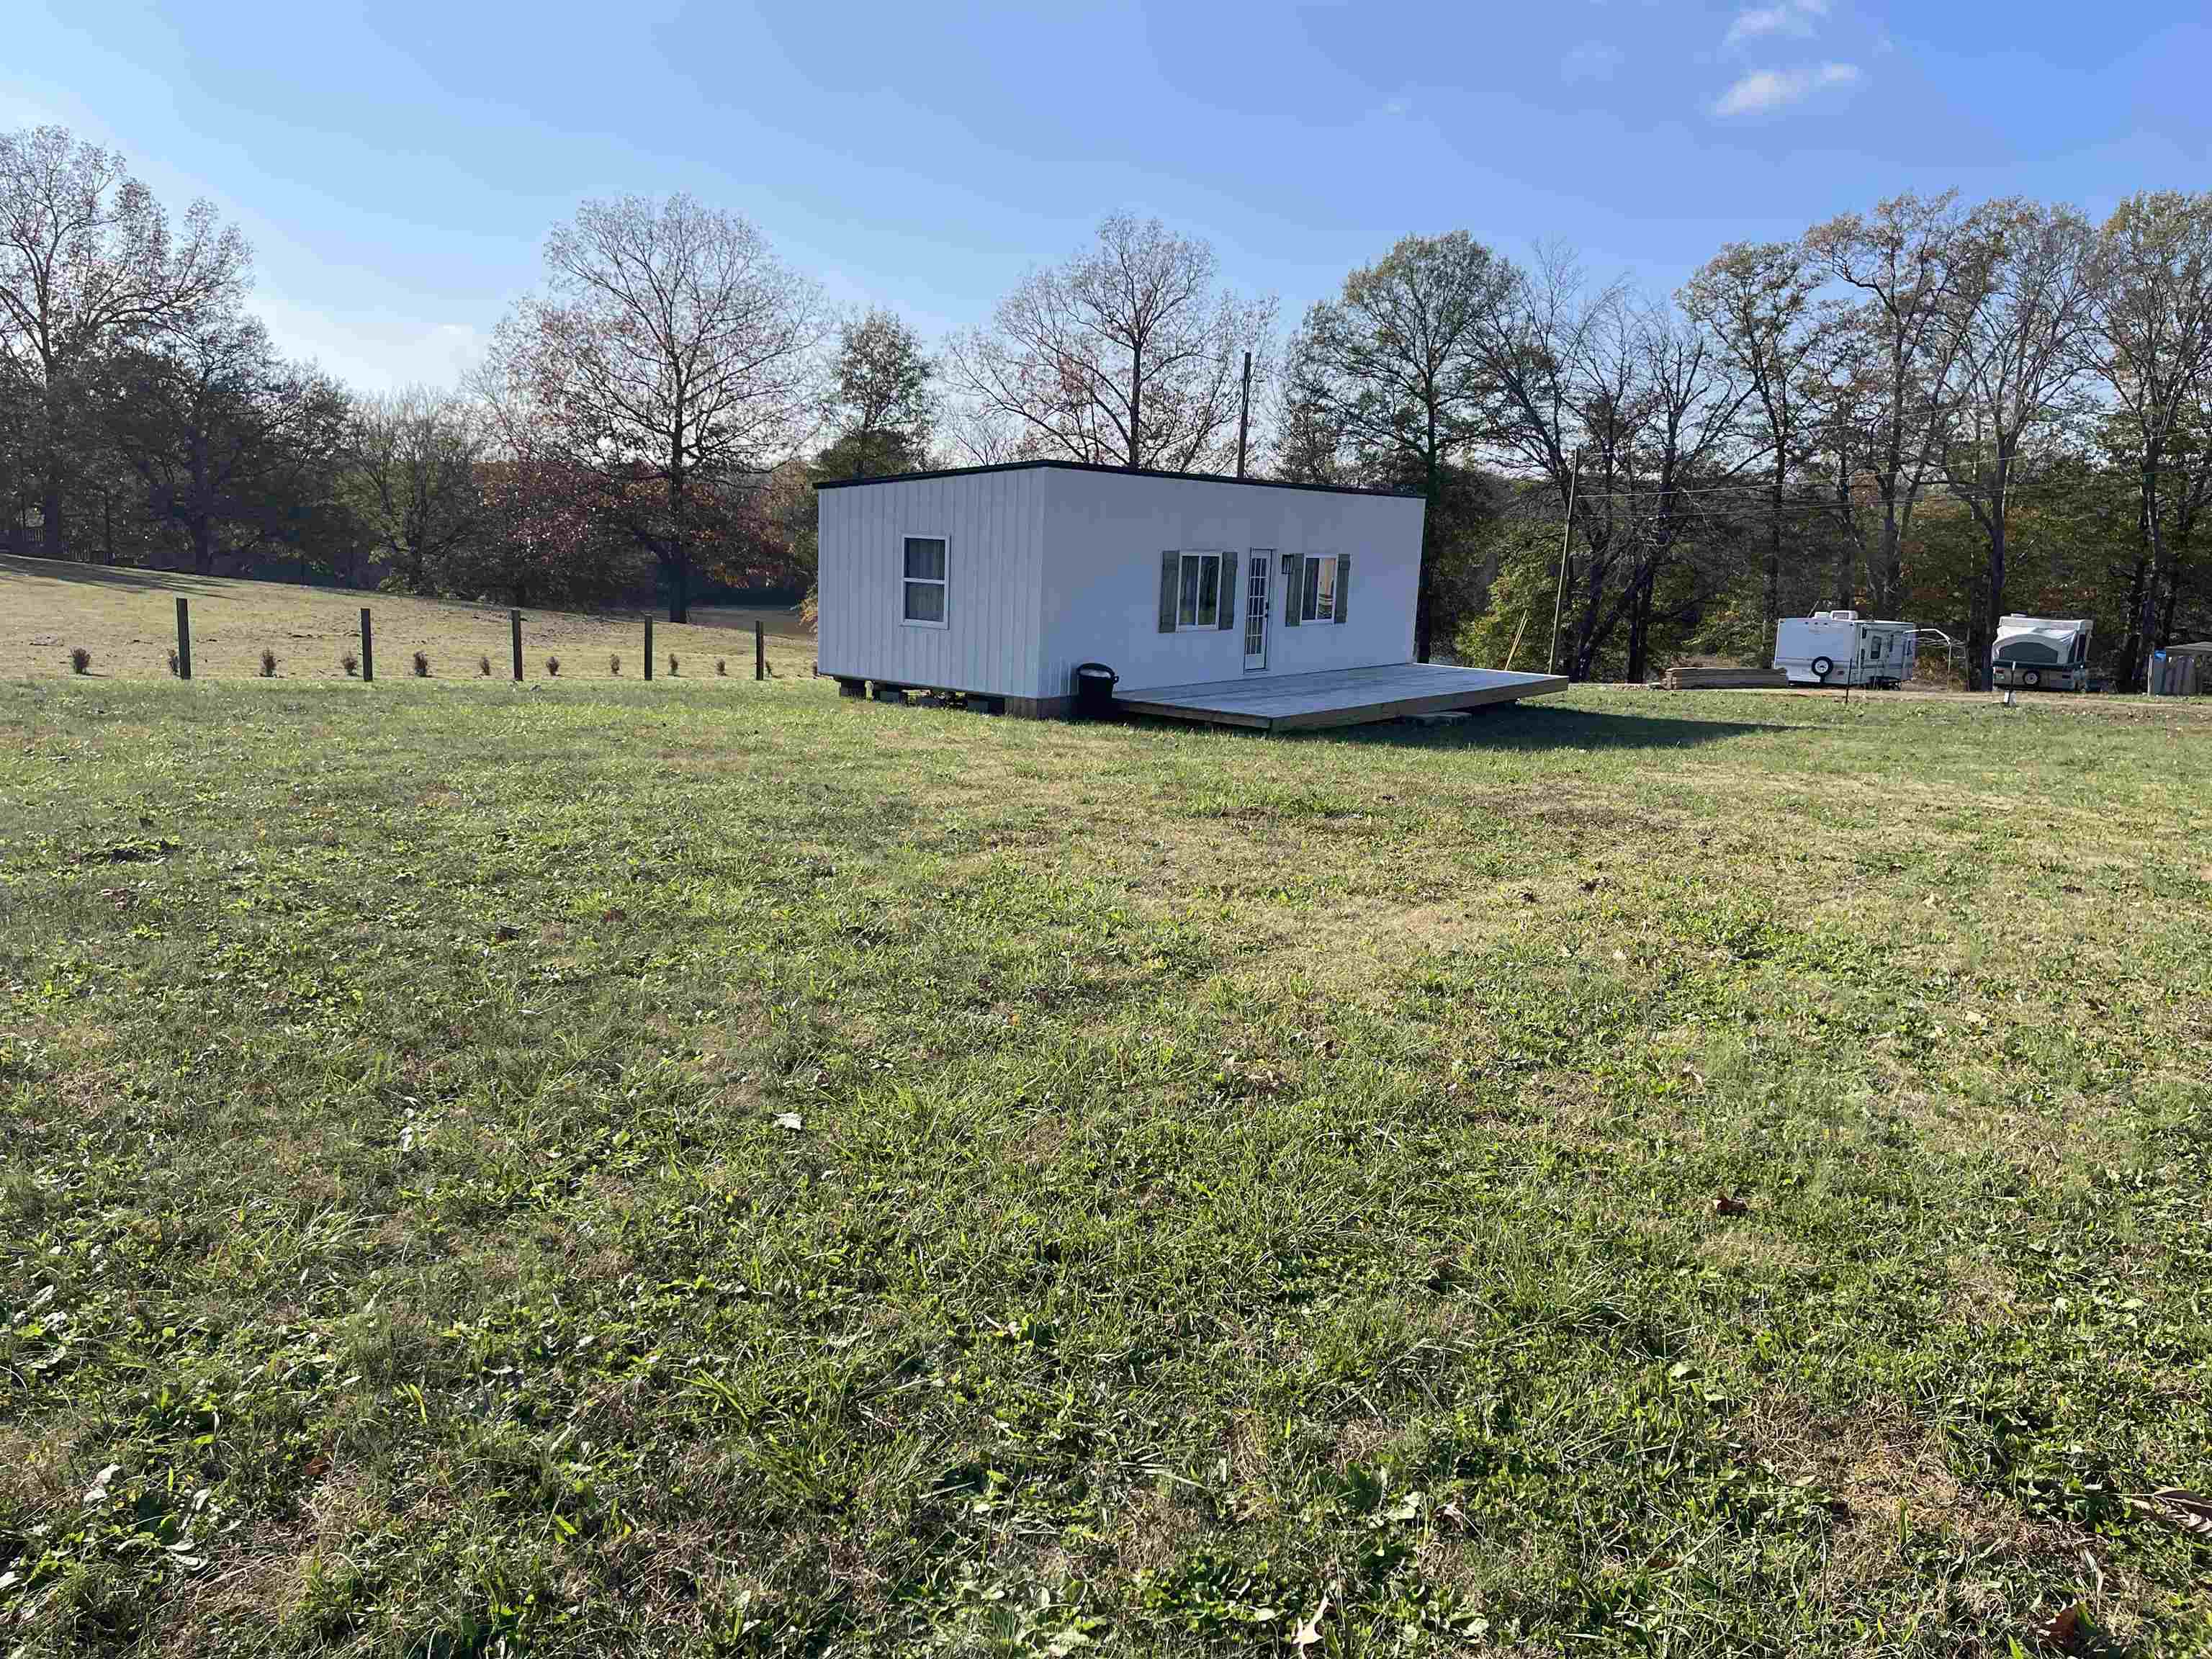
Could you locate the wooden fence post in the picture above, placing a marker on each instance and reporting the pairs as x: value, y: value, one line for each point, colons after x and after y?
x: 367, y: 650
x: 760, y: 652
x: 648, y: 647
x: 514, y: 629
x: 183, y: 638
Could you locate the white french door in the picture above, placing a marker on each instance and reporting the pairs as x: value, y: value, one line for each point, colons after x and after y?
x: 1255, y: 611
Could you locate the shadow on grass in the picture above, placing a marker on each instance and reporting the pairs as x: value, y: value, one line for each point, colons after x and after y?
x: 126, y: 576
x: 1533, y: 727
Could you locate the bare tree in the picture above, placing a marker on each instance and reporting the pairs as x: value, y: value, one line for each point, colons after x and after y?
x: 675, y: 359
x: 1394, y: 367
x: 1920, y: 264
x: 1759, y: 300
x: 89, y: 263
x: 977, y: 436
x: 1693, y: 401
x: 412, y: 468
x: 1557, y: 355
x: 2152, y: 344
x: 1126, y: 356
x: 2018, y: 366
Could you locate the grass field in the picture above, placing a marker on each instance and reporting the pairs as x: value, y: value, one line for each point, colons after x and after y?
x: 127, y: 620
x: 607, y: 1170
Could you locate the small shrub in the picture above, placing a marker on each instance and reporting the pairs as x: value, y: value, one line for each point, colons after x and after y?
x: 350, y: 662
x: 268, y: 664
x: 80, y: 661
x: 483, y: 666
x: 422, y: 665
x: 672, y: 670
x: 553, y: 667
x: 614, y: 664
x: 176, y: 667
x: 722, y: 666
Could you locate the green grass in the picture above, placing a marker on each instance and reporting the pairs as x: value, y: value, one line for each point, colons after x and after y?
x: 603, y: 1170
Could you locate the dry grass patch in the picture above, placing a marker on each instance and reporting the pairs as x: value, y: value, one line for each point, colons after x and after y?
x: 127, y: 619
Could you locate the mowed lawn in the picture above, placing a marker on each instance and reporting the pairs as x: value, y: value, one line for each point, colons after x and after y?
x: 598, y: 1169
x: 127, y: 619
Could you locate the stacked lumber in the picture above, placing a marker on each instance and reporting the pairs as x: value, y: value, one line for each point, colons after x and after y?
x: 1722, y: 679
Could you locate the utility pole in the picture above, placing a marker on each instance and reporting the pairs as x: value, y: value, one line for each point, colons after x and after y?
x: 1566, y: 530
x: 1243, y: 414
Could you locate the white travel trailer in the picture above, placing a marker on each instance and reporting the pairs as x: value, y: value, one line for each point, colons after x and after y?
x: 1841, y: 647
x: 1233, y: 601
x: 2041, y: 653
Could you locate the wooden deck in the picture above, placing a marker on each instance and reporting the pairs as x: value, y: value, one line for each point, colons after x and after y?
x: 1343, y: 696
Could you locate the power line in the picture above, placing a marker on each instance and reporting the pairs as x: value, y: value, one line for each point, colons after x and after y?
x: 1763, y: 493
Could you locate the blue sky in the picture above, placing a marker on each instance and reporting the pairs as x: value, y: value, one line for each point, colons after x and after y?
x: 396, y: 166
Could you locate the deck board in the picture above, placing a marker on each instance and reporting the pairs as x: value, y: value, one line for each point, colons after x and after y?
x: 1342, y: 696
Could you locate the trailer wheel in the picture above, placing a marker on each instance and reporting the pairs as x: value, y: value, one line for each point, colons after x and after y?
x: 1823, y: 666
x: 2031, y: 677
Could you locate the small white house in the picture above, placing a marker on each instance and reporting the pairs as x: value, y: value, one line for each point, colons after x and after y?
x: 1232, y: 600
x: 1841, y: 647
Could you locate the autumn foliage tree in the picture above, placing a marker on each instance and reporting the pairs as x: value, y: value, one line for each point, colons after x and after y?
x: 671, y: 362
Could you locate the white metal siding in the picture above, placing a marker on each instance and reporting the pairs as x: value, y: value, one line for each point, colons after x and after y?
x: 1104, y: 536
x: 1050, y: 568
x: 990, y: 523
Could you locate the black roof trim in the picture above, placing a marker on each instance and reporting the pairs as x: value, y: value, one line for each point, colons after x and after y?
x: 1118, y: 471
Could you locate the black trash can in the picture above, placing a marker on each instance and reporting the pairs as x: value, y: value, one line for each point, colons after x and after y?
x: 1094, y: 691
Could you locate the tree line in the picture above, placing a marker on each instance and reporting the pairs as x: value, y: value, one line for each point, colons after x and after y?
x: 1931, y: 409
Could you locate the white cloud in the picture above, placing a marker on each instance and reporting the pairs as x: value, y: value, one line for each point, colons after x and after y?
x: 1760, y: 91
x: 1763, y: 91
x: 1796, y: 17
x: 372, y: 351
x: 1592, y: 60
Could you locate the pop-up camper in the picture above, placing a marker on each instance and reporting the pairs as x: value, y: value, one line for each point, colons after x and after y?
x: 1840, y: 648
x: 2041, y: 651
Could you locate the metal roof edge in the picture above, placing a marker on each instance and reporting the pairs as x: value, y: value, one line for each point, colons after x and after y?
x: 1122, y: 472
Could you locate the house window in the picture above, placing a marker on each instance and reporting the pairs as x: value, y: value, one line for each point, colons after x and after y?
x: 1319, y: 601
x: 925, y: 581
x: 1199, y: 601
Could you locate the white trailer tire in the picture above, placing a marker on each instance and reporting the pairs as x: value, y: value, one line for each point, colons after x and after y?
x: 1823, y: 666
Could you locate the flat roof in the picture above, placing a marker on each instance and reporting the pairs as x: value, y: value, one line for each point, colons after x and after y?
x: 1118, y: 472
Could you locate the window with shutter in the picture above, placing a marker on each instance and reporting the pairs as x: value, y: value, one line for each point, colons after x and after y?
x: 1313, y: 589
x: 1195, y: 594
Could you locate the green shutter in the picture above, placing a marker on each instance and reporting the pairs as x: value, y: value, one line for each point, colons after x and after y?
x: 1170, y: 575
x: 1293, y: 588
x: 1343, y: 585
x: 1228, y: 580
